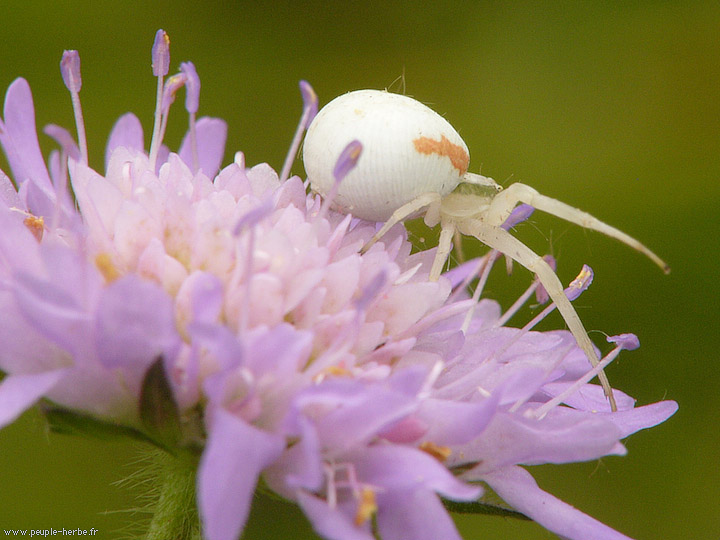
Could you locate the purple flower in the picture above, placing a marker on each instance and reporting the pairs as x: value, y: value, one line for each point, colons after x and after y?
x: 348, y: 383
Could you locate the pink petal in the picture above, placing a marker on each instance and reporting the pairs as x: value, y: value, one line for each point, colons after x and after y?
x: 64, y: 138
x: 329, y: 522
x: 403, y: 468
x: 416, y: 514
x: 457, y: 422
x: 19, y: 392
x: 19, y: 136
x: 644, y: 417
x: 17, y: 243
x: 518, y: 488
x: 55, y: 314
x: 8, y: 194
x: 127, y: 132
x: 211, y: 135
x: 564, y: 437
x: 135, y: 324
x: 234, y: 456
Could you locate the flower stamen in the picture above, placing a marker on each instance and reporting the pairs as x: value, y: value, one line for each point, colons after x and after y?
x: 192, y: 100
x: 107, y: 268
x: 161, y: 66
x: 576, y: 287
x: 492, y: 257
x: 70, y: 69
x: 367, y: 506
x: 170, y: 89
x: 623, y: 342
x: 310, y: 108
x: 36, y: 225
x: 441, y: 453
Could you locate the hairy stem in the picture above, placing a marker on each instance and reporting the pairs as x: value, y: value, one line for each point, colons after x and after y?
x: 175, y: 516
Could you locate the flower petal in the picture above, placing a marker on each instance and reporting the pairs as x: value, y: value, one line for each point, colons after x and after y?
x: 644, y: 417
x: 300, y: 466
x: 234, y: 456
x: 562, y: 437
x: 405, y: 468
x: 127, y: 132
x: 355, y: 412
x: 18, y: 136
x: 135, y: 324
x: 17, y: 243
x: 64, y: 138
x: 330, y: 523
x: 8, y: 194
x: 18, y: 392
x: 518, y: 488
x: 416, y: 514
x: 55, y: 314
x: 211, y: 136
x: 457, y: 422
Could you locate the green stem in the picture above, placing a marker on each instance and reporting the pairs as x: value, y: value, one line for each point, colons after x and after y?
x: 176, y: 515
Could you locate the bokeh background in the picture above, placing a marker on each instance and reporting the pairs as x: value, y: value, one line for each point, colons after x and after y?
x: 611, y: 106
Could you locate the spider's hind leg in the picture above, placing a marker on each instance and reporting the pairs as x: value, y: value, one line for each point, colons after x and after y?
x: 501, y: 240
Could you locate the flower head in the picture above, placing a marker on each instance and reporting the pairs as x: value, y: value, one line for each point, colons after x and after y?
x: 349, y: 383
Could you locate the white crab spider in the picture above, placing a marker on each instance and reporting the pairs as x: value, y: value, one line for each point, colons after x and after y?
x: 413, y: 159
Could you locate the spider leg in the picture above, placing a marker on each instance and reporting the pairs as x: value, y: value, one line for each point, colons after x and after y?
x: 407, y: 209
x: 501, y: 240
x: 503, y: 203
x: 447, y: 231
x: 457, y: 244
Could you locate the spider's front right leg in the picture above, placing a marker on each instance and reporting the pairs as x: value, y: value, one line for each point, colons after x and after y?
x: 504, y: 202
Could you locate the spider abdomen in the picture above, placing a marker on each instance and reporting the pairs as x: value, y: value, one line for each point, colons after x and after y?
x: 408, y: 150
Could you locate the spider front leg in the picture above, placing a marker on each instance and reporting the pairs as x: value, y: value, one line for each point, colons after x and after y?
x: 501, y: 240
x: 447, y: 231
x: 504, y: 202
x: 406, y: 210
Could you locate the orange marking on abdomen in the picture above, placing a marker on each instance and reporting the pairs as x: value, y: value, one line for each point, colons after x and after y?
x: 457, y: 154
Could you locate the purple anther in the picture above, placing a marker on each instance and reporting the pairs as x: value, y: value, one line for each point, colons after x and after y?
x: 70, y: 69
x: 192, y: 86
x: 170, y: 89
x: 519, y: 214
x: 580, y: 283
x: 347, y: 161
x: 627, y: 342
x: 310, y: 101
x: 161, y: 54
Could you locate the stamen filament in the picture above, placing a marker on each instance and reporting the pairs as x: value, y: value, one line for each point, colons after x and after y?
x: 157, y: 126
x: 512, y: 310
x: 310, y: 106
x: 70, y: 69
x: 161, y: 61
x: 494, y: 254
x: 458, y: 289
x: 541, y: 411
x: 192, y: 99
x: 193, y: 142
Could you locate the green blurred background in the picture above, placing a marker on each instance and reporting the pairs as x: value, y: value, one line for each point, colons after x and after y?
x: 610, y: 106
